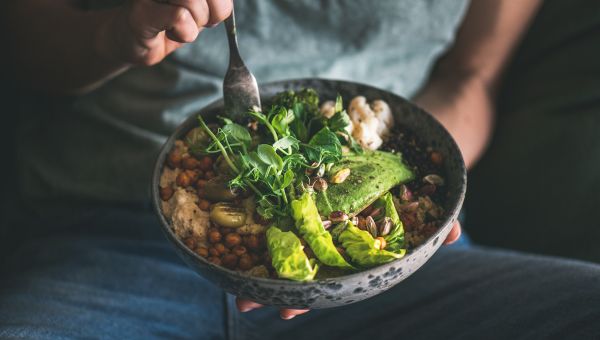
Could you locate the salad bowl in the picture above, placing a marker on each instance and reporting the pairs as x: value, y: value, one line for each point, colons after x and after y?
x: 341, y: 290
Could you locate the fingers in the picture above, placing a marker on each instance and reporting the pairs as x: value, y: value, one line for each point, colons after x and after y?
x: 454, y: 234
x: 246, y: 305
x: 149, y: 18
x: 288, y: 314
x: 206, y: 13
x: 219, y: 11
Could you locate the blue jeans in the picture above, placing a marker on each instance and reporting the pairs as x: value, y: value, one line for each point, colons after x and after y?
x: 115, y: 277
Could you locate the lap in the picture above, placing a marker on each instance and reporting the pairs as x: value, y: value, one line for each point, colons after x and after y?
x: 112, y: 286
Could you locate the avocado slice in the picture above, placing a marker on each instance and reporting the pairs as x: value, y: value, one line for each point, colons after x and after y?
x: 372, y: 174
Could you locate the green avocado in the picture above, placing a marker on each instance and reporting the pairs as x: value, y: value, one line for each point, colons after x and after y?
x: 372, y: 174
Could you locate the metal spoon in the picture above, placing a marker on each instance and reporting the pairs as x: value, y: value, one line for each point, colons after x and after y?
x: 240, y: 90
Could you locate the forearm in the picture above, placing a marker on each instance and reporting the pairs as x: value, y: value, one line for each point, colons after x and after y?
x: 461, y: 90
x: 470, y: 120
x: 55, y: 47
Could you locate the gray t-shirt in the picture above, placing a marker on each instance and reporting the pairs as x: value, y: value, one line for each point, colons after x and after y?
x: 102, y: 146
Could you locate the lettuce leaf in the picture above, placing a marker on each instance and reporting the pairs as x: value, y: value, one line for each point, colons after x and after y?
x: 288, y: 258
x: 310, y: 226
x: 395, y: 239
x: 364, y: 249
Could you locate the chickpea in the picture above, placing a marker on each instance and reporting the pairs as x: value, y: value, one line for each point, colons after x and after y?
x: 183, y: 179
x: 239, y: 250
x: 204, y: 204
x: 209, y: 174
x: 251, y: 241
x: 190, y: 242
x: 220, y: 247
x: 233, y: 239
x: 202, y: 251
x: 230, y: 261
x: 214, y: 236
x: 215, y: 260
x: 201, y: 183
x: 166, y: 193
x: 382, y: 242
x: 245, y: 262
x: 174, y: 159
x: 213, y: 251
x: 201, y: 193
x: 206, y: 163
x: 190, y: 163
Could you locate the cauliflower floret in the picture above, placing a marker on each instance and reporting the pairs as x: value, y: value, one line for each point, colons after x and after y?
x: 327, y: 109
x: 367, y: 137
x: 383, y: 113
x: 371, y: 123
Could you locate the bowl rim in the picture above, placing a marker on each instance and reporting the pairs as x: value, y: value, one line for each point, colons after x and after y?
x: 166, y: 227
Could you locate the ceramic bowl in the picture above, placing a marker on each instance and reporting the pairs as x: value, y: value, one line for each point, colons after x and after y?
x: 330, y: 292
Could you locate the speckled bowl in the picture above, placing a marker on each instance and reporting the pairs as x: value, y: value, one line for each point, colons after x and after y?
x: 347, y: 289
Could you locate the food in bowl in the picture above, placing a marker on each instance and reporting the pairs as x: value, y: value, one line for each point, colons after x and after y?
x: 304, y: 190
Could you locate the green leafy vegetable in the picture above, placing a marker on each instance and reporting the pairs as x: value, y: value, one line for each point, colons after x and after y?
x: 288, y: 258
x: 364, y: 249
x: 395, y: 239
x: 310, y: 226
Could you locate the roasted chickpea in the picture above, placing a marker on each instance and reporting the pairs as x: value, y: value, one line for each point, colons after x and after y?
x: 206, y: 163
x: 230, y: 260
x: 204, y: 204
x: 166, y: 193
x: 216, y: 260
x: 174, y: 159
x: 184, y: 179
x: 245, y: 262
x: 233, y: 239
x: 190, y: 242
x: 213, y: 251
x: 201, y: 183
x: 214, y: 236
x: 190, y: 163
x: 382, y: 242
x: 239, y: 250
x: 251, y: 241
x: 202, y: 251
x: 220, y: 247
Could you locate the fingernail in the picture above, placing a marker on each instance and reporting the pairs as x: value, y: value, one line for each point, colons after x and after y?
x: 245, y: 309
x: 288, y: 317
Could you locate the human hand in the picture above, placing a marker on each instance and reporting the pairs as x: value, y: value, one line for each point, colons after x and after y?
x: 288, y: 314
x: 144, y: 32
